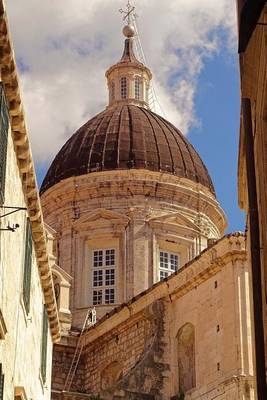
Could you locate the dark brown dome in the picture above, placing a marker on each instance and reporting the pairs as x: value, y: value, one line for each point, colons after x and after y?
x: 127, y: 137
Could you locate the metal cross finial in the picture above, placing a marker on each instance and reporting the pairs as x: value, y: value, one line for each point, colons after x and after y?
x: 128, y: 13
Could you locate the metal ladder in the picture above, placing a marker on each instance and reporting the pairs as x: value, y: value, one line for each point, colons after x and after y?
x: 89, y: 321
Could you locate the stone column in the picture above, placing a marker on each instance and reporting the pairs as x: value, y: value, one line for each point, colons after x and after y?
x: 140, y: 252
x: 130, y: 78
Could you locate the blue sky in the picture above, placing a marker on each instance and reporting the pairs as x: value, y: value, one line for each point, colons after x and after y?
x: 216, y: 139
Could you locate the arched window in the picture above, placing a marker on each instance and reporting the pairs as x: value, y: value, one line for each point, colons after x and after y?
x: 137, y: 88
x: 112, y: 90
x: 123, y: 87
x: 186, y: 358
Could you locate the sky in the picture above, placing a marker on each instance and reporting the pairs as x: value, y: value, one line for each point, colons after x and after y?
x: 63, y: 48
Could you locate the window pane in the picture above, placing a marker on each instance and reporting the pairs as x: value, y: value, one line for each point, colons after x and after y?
x: 110, y: 257
x: 98, y: 278
x: 163, y: 274
x: 137, y: 88
x: 123, y: 87
x: 109, y: 296
x: 173, y: 262
x: 168, y: 263
x: 112, y: 90
x: 97, y: 297
x: 110, y: 277
x: 98, y: 258
x: 163, y: 260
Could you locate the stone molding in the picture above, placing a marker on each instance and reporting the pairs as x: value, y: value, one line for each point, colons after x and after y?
x: 174, y: 221
x: 100, y: 217
x: 156, y: 185
x: 10, y: 80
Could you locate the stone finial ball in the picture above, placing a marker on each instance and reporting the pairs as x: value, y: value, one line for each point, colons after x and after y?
x: 128, y: 31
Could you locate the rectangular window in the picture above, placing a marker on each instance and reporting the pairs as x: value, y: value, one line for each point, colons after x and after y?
x: 27, y: 267
x: 137, y: 88
x: 98, y: 278
x: 112, y: 90
x: 97, y: 297
x: 123, y: 87
x: 44, y: 344
x: 4, y: 124
x: 103, y: 276
x: 168, y: 263
x: 110, y: 296
x: 2, y: 381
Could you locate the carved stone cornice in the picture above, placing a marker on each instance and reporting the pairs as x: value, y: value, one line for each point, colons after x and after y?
x: 182, y: 193
x: 101, y: 218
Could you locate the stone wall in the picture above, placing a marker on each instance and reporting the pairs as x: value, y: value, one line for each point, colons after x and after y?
x: 190, y: 334
x: 62, y: 359
x: 129, y: 359
x: 20, y: 348
x: 125, y: 363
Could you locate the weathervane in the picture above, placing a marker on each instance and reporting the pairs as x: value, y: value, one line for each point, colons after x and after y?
x: 128, y: 13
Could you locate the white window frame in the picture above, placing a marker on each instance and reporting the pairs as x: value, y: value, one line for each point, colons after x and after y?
x: 104, y: 276
x: 165, y: 267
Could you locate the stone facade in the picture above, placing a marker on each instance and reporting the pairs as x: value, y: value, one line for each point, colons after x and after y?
x: 252, y: 167
x: 183, y: 335
x: 20, y: 348
x: 94, y: 211
x: 28, y: 314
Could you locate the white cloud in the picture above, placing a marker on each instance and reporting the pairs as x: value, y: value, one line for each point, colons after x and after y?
x: 65, y: 46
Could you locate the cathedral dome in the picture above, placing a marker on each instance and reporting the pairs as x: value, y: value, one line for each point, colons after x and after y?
x: 126, y: 136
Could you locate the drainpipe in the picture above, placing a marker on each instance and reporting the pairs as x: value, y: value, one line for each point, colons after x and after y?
x: 255, y: 250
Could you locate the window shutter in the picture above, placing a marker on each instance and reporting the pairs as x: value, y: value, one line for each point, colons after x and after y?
x: 27, y: 267
x: 44, y: 345
x: 4, y: 123
x: 2, y: 379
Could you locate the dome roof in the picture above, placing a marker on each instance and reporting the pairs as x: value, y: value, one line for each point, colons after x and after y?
x: 127, y: 137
